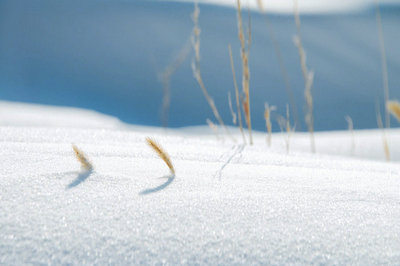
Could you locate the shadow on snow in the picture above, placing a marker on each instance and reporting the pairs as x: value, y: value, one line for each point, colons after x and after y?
x: 82, y: 176
x: 170, y: 177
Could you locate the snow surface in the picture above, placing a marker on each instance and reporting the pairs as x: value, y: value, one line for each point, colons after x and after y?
x: 227, y: 204
x: 305, y: 6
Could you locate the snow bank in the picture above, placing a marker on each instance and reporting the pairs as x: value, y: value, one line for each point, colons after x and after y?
x: 226, y: 205
x: 305, y: 6
x: 28, y: 115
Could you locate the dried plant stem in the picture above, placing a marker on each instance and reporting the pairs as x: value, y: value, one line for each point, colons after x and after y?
x: 288, y: 129
x: 237, y: 150
x: 166, y: 78
x: 246, y: 73
x: 82, y: 158
x: 214, y: 128
x: 282, y: 66
x: 384, y: 138
x: 385, y: 77
x: 161, y: 153
x: 234, y: 117
x: 260, y: 5
x: 394, y: 108
x: 196, y: 68
x: 267, y: 116
x: 248, y: 28
x: 236, y: 94
x: 351, y: 130
x: 284, y: 124
x: 307, y: 75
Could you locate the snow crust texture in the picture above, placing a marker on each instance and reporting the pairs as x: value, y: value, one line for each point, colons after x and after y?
x: 227, y: 204
x: 264, y: 207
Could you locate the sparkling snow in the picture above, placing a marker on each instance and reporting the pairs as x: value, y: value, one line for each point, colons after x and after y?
x: 228, y: 204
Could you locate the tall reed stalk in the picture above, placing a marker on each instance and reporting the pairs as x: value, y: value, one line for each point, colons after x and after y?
x: 385, y: 76
x: 245, y: 72
x: 239, y: 115
x: 308, y: 77
x: 281, y: 62
x: 197, y: 71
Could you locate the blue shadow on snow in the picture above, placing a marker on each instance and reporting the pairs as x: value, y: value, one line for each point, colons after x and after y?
x: 82, y: 176
x: 170, y: 177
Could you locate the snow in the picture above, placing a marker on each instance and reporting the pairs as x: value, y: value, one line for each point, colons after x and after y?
x: 227, y: 204
x: 23, y: 114
x: 305, y: 6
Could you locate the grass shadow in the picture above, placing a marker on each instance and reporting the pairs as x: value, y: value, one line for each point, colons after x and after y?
x: 82, y: 176
x: 61, y: 175
x: 170, y: 177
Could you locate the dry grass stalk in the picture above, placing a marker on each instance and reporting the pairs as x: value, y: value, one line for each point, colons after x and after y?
x: 307, y: 75
x: 394, y: 108
x: 351, y: 130
x: 85, y: 163
x: 236, y: 94
x: 267, y: 116
x: 246, y: 73
x: 284, y: 124
x: 281, y: 62
x: 231, y: 109
x: 249, y: 39
x: 385, y: 79
x: 214, y: 128
x: 196, y: 67
x: 166, y: 78
x: 260, y: 5
x: 384, y: 138
x: 161, y: 153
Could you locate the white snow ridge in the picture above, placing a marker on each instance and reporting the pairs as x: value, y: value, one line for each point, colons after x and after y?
x: 227, y: 204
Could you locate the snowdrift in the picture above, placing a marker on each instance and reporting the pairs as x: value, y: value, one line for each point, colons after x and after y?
x: 227, y: 204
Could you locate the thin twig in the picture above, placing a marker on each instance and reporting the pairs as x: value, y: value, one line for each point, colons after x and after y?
x: 213, y: 127
x: 237, y: 94
x: 284, y: 124
x: 237, y: 151
x: 231, y: 109
x: 307, y: 75
x: 385, y: 78
x: 166, y: 78
x: 384, y: 138
x: 351, y: 130
x: 267, y: 116
x: 245, y: 70
x: 197, y: 72
x: 281, y: 62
